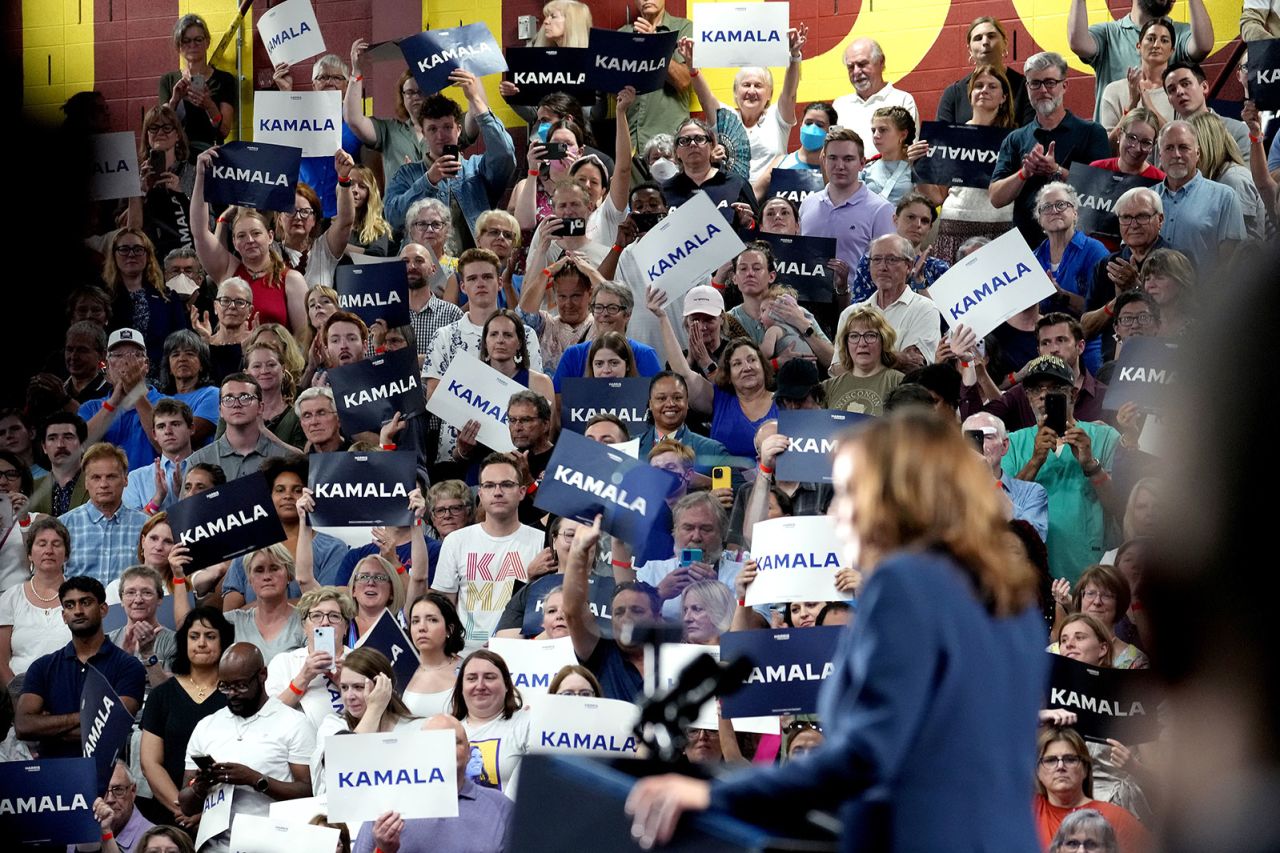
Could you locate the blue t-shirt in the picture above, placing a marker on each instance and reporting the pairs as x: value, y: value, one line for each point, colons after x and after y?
x: 573, y: 361
x: 321, y: 176
x: 126, y: 430
x: 203, y: 402
x: 326, y: 554
x: 731, y: 427
x: 58, y: 678
x: 1075, y: 273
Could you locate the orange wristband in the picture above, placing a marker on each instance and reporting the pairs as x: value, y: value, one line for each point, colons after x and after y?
x: 179, y: 581
x: 107, y: 405
x: 295, y: 689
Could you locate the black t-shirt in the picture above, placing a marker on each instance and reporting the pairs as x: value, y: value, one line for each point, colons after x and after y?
x: 195, y: 121
x: 723, y: 187
x: 954, y: 106
x: 171, y: 715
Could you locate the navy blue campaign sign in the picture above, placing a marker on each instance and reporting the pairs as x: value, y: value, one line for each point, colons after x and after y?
x: 813, y: 434
x: 368, y: 393
x: 599, y: 597
x: 1099, y: 190
x: 539, y: 71
x: 48, y: 801
x: 1264, y: 73
x: 1108, y: 703
x: 105, y: 724
x: 387, y: 637
x: 629, y: 59
x: 374, y: 292
x: 585, y: 478
x: 795, y: 184
x: 433, y: 55
x: 254, y: 174
x: 585, y: 397
x: 960, y: 155
x: 362, y: 489
x: 802, y: 264
x: 788, y: 667
x: 233, y: 519
x: 1145, y: 371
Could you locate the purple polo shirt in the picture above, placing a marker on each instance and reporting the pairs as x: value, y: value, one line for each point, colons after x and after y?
x: 863, y: 217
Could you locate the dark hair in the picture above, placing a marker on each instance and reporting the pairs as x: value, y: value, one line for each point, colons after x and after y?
x: 900, y: 118
x: 215, y: 472
x: 1193, y: 67
x: 510, y: 705
x: 914, y: 197
x: 94, y: 294
x: 438, y: 106
x: 1129, y: 297
x: 183, y: 340
x: 570, y: 124
x: 615, y: 342
x: 760, y: 247
x: 83, y: 583
x: 1055, y: 318
x: 499, y: 459
x: 664, y: 374
x: 1161, y: 22
x: 832, y: 607
x: 369, y: 662
x: 567, y: 106
x: 171, y: 406
x: 525, y: 397
x: 723, y: 378
x: 82, y: 429
x: 575, y: 669
x: 1004, y: 114
x: 1109, y: 579
x: 1038, y: 556
x: 240, y: 377
x: 180, y: 839
x: 294, y: 463
x: 941, y: 379
x: 908, y: 395
x: 522, y: 352
x: 43, y: 523
x: 789, y: 202
x: 647, y: 590
x: 647, y: 185
x: 455, y: 633
x: 213, y: 617
x: 607, y: 417
x: 26, y: 481
x: 832, y: 116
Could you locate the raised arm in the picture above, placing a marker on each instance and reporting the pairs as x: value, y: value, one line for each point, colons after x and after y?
x: 791, y: 82
x: 215, y: 259
x: 620, y: 182
x: 1201, y: 41
x: 419, y: 556
x: 353, y: 101
x: 710, y: 103
x: 339, y: 230
x: 1079, y: 39
x: 304, y: 561
x: 701, y: 392
x: 582, y: 625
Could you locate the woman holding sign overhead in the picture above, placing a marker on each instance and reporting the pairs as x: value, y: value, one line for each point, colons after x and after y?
x: 279, y: 293
x: 932, y: 546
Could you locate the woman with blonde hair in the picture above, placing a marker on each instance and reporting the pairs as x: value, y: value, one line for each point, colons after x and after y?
x: 370, y: 233
x: 162, y: 132
x: 139, y: 298
x: 932, y: 545
x: 1221, y: 161
x: 565, y: 23
x: 321, y: 303
x: 282, y: 340
x: 865, y: 344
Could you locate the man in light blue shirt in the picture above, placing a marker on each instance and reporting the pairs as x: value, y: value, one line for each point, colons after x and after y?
x: 699, y: 522
x: 172, y: 426
x: 104, y: 532
x: 1023, y: 501
x: 1202, y: 218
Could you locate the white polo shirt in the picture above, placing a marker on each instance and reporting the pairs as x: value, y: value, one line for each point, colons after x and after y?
x: 916, y: 319
x: 855, y: 113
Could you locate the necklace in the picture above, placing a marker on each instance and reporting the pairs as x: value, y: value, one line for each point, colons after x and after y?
x: 37, y: 594
x: 448, y: 662
x: 201, y: 691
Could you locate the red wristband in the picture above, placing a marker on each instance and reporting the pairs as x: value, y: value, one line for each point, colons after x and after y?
x: 765, y: 469
x: 107, y: 836
x: 388, y: 447
x: 400, y: 569
x: 344, y: 182
x: 295, y: 689
x: 1106, y: 309
x: 620, y: 564
x: 1012, y: 378
x: 694, y: 72
x: 774, y: 363
x: 1022, y: 173
x: 151, y: 508
x: 179, y: 581
x: 359, y: 77
x: 107, y: 405
x: 616, y: 248
x: 533, y: 173
x: 742, y: 602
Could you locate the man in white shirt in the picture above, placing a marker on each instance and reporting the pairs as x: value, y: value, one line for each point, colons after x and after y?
x: 865, y: 62
x: 257, y: 744
x: 478, y: 276
x: 914, y: 317
x: 479, y: 564
x: 699, y: 521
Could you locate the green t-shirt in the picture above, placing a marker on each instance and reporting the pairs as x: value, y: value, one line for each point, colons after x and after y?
x: 862, y: 394
x: 663, y: 110
x: 396, y: 140
x: 1076, y: 524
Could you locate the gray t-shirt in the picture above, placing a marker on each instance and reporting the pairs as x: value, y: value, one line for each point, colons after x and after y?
x: 290, y: 637
x: 1116, y: 43
x: 166, y: 645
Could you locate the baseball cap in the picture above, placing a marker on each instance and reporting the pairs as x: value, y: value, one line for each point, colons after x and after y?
x: 703, y: 299
x: 796, y: 379
x: 126, y: 336
x: 1048, y: 367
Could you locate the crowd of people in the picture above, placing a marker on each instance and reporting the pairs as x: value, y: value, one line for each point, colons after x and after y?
x: 201, y: 352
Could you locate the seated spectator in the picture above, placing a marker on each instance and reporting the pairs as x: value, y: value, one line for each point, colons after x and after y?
x: 844, y: 208
x: 207, y: 110
x: 1142, y: 87
x: 30, y: 623
x: 142, y: 636
x: 1187, y: 87
x: 84, y: 358
x: 104, y: 531
x: 865, y: 60
x: 305, y: 678
x: 483, y: 821
x: 551, y: 561
x: 126, y: 824
x: 246, y: 445
x: 318, y: 416
x: 888, y: 173
x: 915, y: 318
x: 1078, y: 482
x: 439, y: 636
x: 1025, y: 164
x: 1220, y: 161
x: 1103, y: 593
x: 370, y: 231
x: 154, y: 546
x: 695, y: 140
x: 49, y: 708
x: 61, y: 437
x: 305, y: 245
x: 271, y: 623
x: 1064, y: 784
x: 913, y: 219
x: 1024, y: 501
x: 158, y: 486
x: 668, y: 416
x: 769, y: 497
x: 866, y: 344
x: 988, y: 45
x: 264, y: 361
x: 611, y: 308
x: 1068, y: 255
x: 1085, y: 829
x: 1137, y: 316
x: 111, y: 418
x: 571, y: 322
x: 1203, y: 219
x: 16, y: 488
x: 798, y: 386
x: 816, y: 119
x: 186, y: 375
x: 1135, y: 139
x: 492, y: 712
x: 574, y: 680
x: 754, y: 272
x: 475, y: 183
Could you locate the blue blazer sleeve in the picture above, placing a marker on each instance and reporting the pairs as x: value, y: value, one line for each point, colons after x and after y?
x: 884, y: 675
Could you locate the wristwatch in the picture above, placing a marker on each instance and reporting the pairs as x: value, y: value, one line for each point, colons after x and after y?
x: 149, y: 662
x: 262, y: 784
x: 808, y: 333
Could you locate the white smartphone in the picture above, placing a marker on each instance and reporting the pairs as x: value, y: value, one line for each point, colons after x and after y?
x: 323, y: 640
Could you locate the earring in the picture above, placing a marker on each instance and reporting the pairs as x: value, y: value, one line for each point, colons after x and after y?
x: 519, y: 358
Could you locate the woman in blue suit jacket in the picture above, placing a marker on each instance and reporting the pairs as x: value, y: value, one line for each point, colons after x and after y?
x: 930, y: 713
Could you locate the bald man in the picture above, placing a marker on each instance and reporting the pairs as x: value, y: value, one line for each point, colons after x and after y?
x: 480, y: 827
x: 257, y: 743
x: 1020, y: 503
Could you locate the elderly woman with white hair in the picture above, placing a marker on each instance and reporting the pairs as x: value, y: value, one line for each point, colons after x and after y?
x: 706, y: 610
x: 428, y: 223
x: 1067, y: 254
x: 1085, y: 830
x: 204, y: 97
x: 233, y: 308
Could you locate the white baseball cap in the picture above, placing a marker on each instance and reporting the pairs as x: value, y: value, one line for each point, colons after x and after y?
x: 126, y: 336
x: 703, y: 299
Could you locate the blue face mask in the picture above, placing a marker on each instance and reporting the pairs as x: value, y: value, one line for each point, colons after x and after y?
x: 812, y: 136
x: 544, y: 130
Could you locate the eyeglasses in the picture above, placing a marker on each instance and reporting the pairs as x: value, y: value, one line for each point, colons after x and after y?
x: 566, y: 535
x: 442, y: 511
x: 411, y: 93
x: 125, y: 354
x: 1128, y: 320
x: 330, y: 78
x: 509, y: 236
x: 1048, y: 762
x: 242, y: 686
x: 607, y: 310
x: 1050, y: 83
x: 1131, y: 218
x: 1090, y: 594
x: 1144, y: 144
x: 1054, y: 207
x: 235, y: 401
x: 1078, y: 844
x: 131, y: 251
x: 10, y: 474
x: 161, y: 128
x: 138, y: 593
x: 301, y: 213
x: 505, y: 485
x: 323, y: 617
x: 864, y: 337
x: 886, y: 260
x: 118, y: 790
x: 523, y: 421
x: 232, y: 302
x: 427, y: 225
x: 690, y: 141
x: 373, y: 577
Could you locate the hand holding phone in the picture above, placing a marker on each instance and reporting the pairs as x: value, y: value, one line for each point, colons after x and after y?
x: 721, y: 477
x: 323, y: 640
x: 689, y: 556
x: 450, y: 151
x: 1055, y: 411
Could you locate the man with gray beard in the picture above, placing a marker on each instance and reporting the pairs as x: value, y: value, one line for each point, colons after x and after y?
x: 1202, y: 218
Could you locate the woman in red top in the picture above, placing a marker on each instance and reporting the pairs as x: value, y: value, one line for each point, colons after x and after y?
x: 1064, y: 784
x: 279, y: 293
x: 1136, y: 139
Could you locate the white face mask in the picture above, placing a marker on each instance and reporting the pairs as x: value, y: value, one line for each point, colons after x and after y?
x: 663, y: 169
x: 182, y: 284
